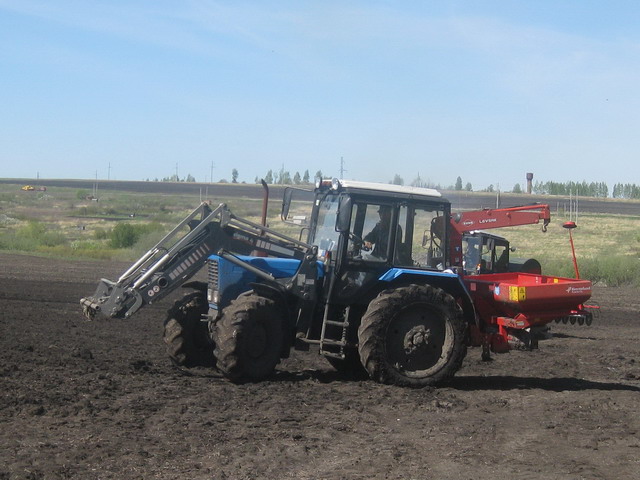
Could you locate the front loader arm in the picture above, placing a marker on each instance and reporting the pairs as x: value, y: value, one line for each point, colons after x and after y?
x: 175, y: 259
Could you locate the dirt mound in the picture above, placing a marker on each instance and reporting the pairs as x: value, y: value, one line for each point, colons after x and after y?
x: 100, y: 400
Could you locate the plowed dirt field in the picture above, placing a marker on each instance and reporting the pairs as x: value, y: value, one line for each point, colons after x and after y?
x: 100, y: 400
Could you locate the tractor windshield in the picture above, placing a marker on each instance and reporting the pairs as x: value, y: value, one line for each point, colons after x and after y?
x: 325, y: 236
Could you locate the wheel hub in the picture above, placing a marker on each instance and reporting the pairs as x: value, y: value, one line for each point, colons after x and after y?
x: 417, y: 337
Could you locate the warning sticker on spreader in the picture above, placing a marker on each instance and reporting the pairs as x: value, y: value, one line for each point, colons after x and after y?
x: 517, y: 294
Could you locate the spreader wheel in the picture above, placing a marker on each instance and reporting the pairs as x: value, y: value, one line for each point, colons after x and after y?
x: 249, y: 338
x: 412, y: 336
x: 185, y: 334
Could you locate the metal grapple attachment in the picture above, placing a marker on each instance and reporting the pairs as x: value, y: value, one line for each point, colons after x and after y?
x: 112, y: 300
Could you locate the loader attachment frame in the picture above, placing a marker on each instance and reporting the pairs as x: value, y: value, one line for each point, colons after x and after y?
x: 175, y: 259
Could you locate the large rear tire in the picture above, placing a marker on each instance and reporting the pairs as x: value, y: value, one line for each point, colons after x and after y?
x: 186, y: 336
x: 412, y: 336
x: 249, y: 338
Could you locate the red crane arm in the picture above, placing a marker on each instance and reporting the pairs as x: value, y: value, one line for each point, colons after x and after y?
x: 501, y: 217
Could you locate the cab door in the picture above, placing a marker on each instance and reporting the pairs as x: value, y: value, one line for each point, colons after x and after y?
x: 369, y: 250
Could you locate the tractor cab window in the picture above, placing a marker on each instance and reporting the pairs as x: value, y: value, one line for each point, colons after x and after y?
x: 471, y: 246
x: 485, y: 254
x: 486, y: 260
x: 407, y: 236
x: 501, y: 258
x: 370, y: 232
x: 326, y: 237
x: 425, y: 243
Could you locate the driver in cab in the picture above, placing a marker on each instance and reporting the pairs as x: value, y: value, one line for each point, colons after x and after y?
x: 378, y: 237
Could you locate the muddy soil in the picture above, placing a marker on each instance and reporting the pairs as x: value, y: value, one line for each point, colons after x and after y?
x: 100, y: 400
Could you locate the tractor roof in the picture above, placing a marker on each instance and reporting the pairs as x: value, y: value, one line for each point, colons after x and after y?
x: 386, y: 188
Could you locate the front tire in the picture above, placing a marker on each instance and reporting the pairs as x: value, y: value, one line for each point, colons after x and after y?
x: 186, y: 336
x: 412, y: 336
x: 249, y: 338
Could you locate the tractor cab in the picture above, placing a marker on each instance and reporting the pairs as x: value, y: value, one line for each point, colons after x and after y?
x: 485, y: 253
x: 488, y: 253
x: 364, y: 231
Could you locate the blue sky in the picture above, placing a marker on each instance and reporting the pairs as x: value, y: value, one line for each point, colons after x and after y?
x: 485, y: 90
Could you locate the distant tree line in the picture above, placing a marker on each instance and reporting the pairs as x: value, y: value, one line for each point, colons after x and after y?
x: 175, y: 178
x: 583, y: 189
x: 626, y: 190
x: 283, y: 177
x: 426, y: 183
x: 593, y: 189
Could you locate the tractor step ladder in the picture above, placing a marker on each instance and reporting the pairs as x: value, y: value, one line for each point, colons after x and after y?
x: 333, y: 338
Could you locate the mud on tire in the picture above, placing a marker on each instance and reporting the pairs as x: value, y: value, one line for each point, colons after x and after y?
x: 186, y: 336
x: 249, y: 338
x: 412, y: 336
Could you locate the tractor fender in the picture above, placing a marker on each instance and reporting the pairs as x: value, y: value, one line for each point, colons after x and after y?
x: 449, y: 282
x: 269, y: 291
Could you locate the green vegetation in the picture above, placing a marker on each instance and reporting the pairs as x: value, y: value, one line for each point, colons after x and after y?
x: 593, y: 189
x: 126, y: 235
x: 63, y: 223
x: 626, y: 190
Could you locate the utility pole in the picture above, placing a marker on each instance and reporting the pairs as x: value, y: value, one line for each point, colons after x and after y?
x: 109, y: 172
x: 211, y: 178
x: 342, y: 169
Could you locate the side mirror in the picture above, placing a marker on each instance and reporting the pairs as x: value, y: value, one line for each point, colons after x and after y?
x: 286, y: 204
x: 297, y: 204
x: 343, y: 219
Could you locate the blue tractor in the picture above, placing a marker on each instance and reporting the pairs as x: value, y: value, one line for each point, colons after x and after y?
x: 371, y: 286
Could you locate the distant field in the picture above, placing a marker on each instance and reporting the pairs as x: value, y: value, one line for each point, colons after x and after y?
x: 460, y: 200
x: 66, y: 222
x: 63, y: 222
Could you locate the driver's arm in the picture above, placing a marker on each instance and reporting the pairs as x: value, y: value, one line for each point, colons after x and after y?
x: 371, y: 237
